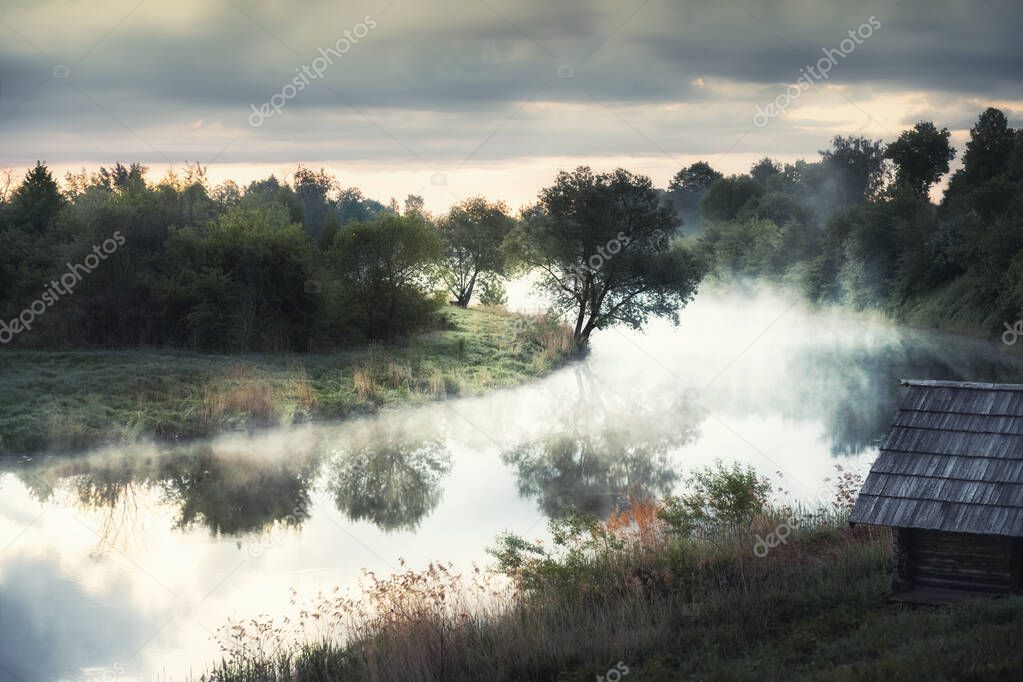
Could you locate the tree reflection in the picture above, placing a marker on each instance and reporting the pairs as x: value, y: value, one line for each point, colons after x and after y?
x: 590, y: 473
x: 856, y: 392
x: 389, y: 477
x: 227, y: 490
x: 236, y: 492
x: 111, y: 486
x: 606, y: 449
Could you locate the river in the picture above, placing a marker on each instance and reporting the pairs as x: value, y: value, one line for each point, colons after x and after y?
x: 122, y: 563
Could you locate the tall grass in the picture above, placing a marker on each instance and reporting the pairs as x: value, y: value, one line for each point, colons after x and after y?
x: 239, y: 392
x: 623, y: 590
x: 668, y: 590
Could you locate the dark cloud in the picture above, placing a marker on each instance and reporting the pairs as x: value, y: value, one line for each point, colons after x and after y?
x: 435, y: 79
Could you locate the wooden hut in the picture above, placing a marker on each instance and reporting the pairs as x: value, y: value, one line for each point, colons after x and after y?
x: 949, y: 483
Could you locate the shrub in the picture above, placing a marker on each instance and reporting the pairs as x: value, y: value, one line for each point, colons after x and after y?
x: 718, y: 496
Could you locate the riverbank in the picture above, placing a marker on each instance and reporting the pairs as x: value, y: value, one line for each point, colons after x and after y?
x: 70, y: 400
x: 631, y: 598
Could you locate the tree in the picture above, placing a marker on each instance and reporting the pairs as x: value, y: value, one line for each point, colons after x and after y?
x: 688, y: 187
x: 352, y: 205
x: 601, y: 246
x: 121, y: 178
x: 38, y: 200
x: 990, y: 146
x: 314, y: 191
x: 391, y: 478
x: 921, y: 156
x: 763, y: 169
x: 473, y: 233
x: 240, y: 283
x: 727, y: 196
x: 695, y: 179
x: 857, y: 164
x: 414, y: 204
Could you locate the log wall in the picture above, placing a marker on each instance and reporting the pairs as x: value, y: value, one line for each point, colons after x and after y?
x: 957, y: 561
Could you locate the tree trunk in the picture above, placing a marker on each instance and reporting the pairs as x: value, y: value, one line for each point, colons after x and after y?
x: 466, y: 295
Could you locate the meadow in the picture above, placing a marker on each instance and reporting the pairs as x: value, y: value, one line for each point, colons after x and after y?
x: 69, y: 400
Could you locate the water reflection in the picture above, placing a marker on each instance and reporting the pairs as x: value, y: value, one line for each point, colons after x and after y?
x: 391, y: 477
x: 232, y: 493
x: 604, y: 446
x: 591, y: 473
x: 94, y: 629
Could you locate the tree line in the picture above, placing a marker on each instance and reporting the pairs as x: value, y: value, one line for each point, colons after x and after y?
x: 858, y: 227
x: 307, y: 264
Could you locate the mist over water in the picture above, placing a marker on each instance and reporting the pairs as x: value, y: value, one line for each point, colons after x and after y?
x: 126, y: 560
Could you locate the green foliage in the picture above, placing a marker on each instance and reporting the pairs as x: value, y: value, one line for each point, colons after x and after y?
x: 381, y: 278
x: 921, y: 156
x: 728, y: 196
x: 492, y: 291
x: 718, y: 496
x: 239, y: 284
x: 857, y: 164
x: 688, y: 187
x: 601, y: 246
x: 763, y: 169
x: 204, y: 268
x: 749, y: 246
x: 473, y: 232
x: 581, y: 558
x: 839, y: 233
x: 36, y: 203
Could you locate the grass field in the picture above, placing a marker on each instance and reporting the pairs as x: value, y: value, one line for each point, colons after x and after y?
x: 65, y: 401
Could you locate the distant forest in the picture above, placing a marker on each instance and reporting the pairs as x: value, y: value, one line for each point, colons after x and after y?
x: 110, y: 259
x: 857, y: 227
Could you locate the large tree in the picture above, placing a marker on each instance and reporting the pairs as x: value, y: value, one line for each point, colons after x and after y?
x: 695, y: 179
x: 688, y: 187
x: 921, y: 156
x: 473, y: 233
x: 600, y: 244
x: 764, y: 169
x: 990, y: 146
x: 857, y: 166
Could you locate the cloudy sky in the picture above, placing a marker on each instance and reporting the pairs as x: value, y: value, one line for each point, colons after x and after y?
x: 448, y: 98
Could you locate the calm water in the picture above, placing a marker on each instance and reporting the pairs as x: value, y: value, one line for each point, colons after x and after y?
x: 122, y: 563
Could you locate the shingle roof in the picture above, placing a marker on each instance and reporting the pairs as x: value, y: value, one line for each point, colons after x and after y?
x: 952, y: 461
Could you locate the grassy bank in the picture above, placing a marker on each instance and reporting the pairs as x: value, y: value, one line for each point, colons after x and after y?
x: 646, y: 595
x: 75, y: 399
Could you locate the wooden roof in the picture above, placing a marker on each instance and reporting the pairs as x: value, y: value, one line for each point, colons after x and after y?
x: 953, y: 461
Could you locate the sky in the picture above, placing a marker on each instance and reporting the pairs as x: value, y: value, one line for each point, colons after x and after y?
x: 451, y: 98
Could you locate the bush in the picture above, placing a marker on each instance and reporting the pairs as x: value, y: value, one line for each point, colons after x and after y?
x: 718, y: 496
x: 381, y: 287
